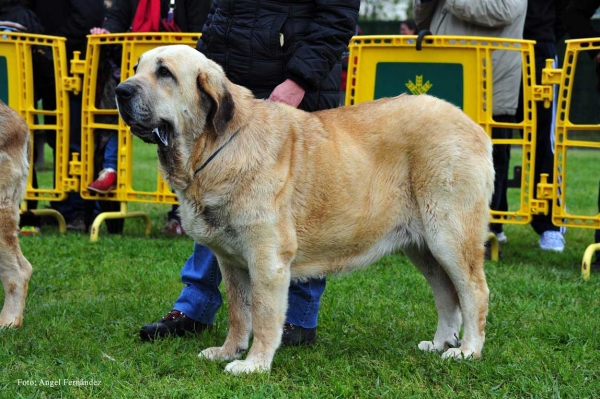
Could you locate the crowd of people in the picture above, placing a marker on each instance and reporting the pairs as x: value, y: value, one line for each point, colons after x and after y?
x: 301, y: 67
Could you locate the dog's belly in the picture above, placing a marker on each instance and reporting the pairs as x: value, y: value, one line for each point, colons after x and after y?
x: 354, y: 255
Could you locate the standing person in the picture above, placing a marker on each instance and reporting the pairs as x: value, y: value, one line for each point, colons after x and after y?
x: 543, y: 24
x: 146, y: 16
x: 490, y: 18
x: 286, y: 51
x: 72, y: 19
x: 578, y: 24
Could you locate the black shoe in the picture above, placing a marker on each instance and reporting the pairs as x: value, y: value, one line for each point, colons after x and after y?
x: 297, y: 336
x: 174, y: 323
x: 76, y: 223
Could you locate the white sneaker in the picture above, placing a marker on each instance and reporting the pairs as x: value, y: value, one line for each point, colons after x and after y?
x: 501, y: 237
x: 552, y: 241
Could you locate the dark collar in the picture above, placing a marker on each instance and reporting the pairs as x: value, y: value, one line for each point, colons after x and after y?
x: 215, y: 153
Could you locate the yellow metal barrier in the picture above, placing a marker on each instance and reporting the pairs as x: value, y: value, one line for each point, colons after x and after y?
x: 565, y: 77
x: 133, y: 45
x: 458, y: 69
x: 17, y: 66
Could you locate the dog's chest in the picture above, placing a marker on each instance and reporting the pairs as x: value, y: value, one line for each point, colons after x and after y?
x: 208, y: 222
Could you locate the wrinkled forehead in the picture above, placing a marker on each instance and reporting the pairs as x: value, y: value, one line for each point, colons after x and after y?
x: 173, y: 57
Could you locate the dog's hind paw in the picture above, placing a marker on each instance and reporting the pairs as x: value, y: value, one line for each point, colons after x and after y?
x: 458, y: 353
x: 245, y: 367
x: 219, y: 354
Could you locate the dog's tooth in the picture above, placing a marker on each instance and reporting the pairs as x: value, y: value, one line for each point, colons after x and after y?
x: 161, y: 135
x: 163, y: 138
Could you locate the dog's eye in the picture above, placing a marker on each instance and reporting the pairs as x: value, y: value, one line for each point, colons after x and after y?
x: 135, y: 68
x: 164, y: 72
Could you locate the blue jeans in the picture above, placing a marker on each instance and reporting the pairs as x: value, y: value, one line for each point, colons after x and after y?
x: 200, y: 298
x: 111, y: 152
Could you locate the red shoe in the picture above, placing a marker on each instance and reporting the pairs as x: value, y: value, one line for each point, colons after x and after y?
x: 173, y: 228
x: 105, y: 182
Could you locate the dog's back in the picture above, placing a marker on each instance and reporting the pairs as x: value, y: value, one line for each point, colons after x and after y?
x: 15, y: 270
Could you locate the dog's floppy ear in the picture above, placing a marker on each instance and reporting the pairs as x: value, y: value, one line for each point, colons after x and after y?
x: 222, y: 107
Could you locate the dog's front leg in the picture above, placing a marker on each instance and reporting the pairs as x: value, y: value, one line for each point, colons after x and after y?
x: 238, y: 291
x: 15, y: 272
x: 270, y: 284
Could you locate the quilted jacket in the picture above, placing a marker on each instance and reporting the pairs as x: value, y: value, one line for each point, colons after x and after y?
x: 261, y: 43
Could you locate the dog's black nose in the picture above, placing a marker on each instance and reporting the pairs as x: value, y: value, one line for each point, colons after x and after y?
x: 124, y: 91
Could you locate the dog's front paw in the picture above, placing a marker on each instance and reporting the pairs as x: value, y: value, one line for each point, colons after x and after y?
x: 430, y: 346
x: 219, y: 354
x: 458, y: 353
x: 246, y: 367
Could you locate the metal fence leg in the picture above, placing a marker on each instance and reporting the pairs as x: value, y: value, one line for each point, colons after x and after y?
x: 122, y: 214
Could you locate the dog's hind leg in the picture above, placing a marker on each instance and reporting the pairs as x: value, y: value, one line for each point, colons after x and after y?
x: 461, y: 255
x: 15, y: 272
x: 446, y: 300
x: 239, y: 297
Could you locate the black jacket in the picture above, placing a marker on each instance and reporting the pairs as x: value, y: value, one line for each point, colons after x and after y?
x: 190, y: 15
x: 578, y: 25
x: 72, y: 19
x: 577, y: 18
x: 543, y: 22
x: 261, y: 43
x: 11, y: 14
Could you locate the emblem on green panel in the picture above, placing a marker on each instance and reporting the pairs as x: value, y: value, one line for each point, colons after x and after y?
x: 418, y: 87
x: 443, y: 80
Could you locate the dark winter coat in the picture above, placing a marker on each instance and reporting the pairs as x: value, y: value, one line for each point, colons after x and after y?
x: 72, y: 19
x: 11, y: 14
x: 543, y: 22
x: 261, y: 43
x: 190, y: 15
x: 578, y: 25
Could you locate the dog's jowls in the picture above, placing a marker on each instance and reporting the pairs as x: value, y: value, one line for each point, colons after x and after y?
x: 15, y: 270
x: 295, y: 195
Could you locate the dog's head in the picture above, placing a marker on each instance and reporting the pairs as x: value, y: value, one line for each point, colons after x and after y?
x: 175, y: 90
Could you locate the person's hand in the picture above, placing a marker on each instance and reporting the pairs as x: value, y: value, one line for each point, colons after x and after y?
x: 288, y: 92
x: 597, y: 58
x: 98, y: 31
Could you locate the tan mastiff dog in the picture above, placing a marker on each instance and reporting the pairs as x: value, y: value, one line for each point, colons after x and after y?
x: 281, y: 194
x: 15, y: 270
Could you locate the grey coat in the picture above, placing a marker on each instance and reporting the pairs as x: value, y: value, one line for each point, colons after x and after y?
x: 490, y: 18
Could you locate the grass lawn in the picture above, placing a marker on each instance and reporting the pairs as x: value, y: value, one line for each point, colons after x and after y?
x: 87, y: 301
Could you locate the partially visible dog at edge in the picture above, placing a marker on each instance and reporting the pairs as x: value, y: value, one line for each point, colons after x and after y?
x: 15, y: 270
x: 280, y: 194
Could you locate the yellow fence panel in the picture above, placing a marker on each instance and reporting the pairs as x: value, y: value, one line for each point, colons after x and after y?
x: 17, y: 52
x: 24, y: 58
x: 565, y: 77
x: 459, y: 70
x: 131, y: 46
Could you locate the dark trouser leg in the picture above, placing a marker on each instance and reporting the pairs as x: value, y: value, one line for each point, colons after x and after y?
x: 501, y: 157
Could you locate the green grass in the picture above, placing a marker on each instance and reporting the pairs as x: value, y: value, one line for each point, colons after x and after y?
x: 87, y: 301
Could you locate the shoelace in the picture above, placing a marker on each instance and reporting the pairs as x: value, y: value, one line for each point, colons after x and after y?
x: 173, y: 315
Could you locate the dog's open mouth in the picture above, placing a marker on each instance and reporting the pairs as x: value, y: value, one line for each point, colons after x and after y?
x: 158, y: 135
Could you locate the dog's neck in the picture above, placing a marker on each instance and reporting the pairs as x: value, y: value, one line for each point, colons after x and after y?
x: 171, y: 162
x: 181, y: 162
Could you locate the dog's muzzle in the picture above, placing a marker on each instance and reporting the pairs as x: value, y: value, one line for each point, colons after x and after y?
x: 138, y: 118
